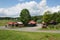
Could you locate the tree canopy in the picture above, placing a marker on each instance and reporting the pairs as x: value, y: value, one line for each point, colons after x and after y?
x: 48, y: 16
x: 25, y: 16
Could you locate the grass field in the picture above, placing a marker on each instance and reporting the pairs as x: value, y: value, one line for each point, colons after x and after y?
x: 52, y: 27
x: 16, y: 35
x: 3, y: 22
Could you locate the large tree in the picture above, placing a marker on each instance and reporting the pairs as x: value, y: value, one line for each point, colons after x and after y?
x: 47, y: 17
x: 25, y: 16
x: 58, y: 17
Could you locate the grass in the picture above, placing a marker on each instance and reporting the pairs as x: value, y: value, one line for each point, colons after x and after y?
x: 51, y: 27
x: 48, y: 29
x: 16, y: 35
x: 4, y: 22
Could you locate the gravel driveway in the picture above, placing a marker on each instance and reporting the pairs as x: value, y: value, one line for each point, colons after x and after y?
x: 30, y: 29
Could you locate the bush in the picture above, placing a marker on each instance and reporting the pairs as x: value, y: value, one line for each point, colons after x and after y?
x: 51, y: 26
x: 54, y: 26
x: 57, y: 26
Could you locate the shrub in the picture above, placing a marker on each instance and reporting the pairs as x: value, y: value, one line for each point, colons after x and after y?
x: 54, y: 26
x: 57, y: 26
x: 51, y: 26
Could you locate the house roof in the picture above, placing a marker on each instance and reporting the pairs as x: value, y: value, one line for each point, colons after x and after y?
x: 19, y: 22
x: 32, y: 22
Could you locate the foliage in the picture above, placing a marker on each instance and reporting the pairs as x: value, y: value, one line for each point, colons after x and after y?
x: 47, y: 16
x: 54, y: 27
x: 34, y: 18
x: 37, y: 18
x: 8, y: 18
x: 58, y: 17
x: 57, y: 26
x: 39, y: 21
x: 51, y: 27
x: 25, y: 16
x: 17, y: 35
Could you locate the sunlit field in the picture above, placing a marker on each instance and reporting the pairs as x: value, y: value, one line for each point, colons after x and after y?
x: 17, y: 35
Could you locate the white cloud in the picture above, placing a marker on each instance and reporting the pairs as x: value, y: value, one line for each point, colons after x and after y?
x: 53, y: 9
x: 34, y: 8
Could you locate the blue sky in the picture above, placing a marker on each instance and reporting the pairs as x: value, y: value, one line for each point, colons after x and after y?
x: 53, y: 2
x: 12, y: 8
x: 9, y: 3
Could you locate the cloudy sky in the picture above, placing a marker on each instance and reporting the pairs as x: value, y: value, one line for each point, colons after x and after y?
x: 12, y: 8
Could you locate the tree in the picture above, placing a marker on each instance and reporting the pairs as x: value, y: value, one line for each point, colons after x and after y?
x: 58, y: 17
x: 34, y: 18
x: 25, y: 16
x: 47, y: 17
x: 54, y: 15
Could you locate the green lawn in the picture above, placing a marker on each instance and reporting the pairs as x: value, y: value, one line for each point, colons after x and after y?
x: 16, y: 35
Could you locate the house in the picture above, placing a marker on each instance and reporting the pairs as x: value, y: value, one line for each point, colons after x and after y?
x: 20, y: 24
x: 17, y: 24
x: 32, y: 23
